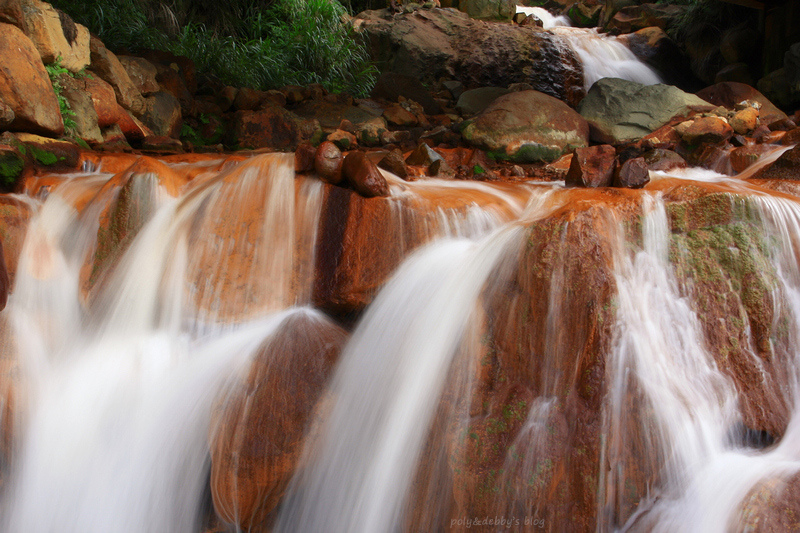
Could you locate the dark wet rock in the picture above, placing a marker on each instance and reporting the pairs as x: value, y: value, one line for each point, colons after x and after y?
x: 304, y: 157
x: 162, y: 114
x: 653, y: 46
x: 434, y: 43
x: 392, y: 85
x: 394, y: 163
x: 142, y: 73
x: 592, y: 167
x: 423, y: 155
x: 364, y: 176
x: 331, y: 114
x: 784, y: 124
x: 440, y: 169
x: 272, y: 127
x: 660, y: 159
x: 632, y: 174
x: 585, y: 14
x: 636, y: 17
x: 328, y: 162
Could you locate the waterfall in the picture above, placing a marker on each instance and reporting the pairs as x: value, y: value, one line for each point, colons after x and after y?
x: 528, y: 351
x: 602, y: 56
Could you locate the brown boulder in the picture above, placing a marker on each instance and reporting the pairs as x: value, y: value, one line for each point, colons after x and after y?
x: 82, y: 104
x: 142, y: 73
x: 11, y: 13
x: 394, y: 163
x: 104, y: 100
x: 632, y: 174
x: 272, y: 127
x: 55, y: 35
x: 171, y: 81
x: 106, y: 65
x: 304, y: 157
x: 162, y: 114
x: 259, y: 426
x: 660, y: 159
x: 745, y: 121
x: 328, y: 162
x: 25, y: 86
x: 168, y: 62
x: 364, y: 176
x: 730, y: 93
x: 653, y: 46
x: 705, y: 130
x: 396, y: 115
x: 248, y: 99
x: 343, y: 139
x: 637, y: 17
x: 592, y: 167
x: 131, y: 127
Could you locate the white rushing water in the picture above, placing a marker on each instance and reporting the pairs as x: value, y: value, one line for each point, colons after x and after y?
x: 118, y: 394
x: 693, y: 406
x: 117, y: 380
x: 602, y: 56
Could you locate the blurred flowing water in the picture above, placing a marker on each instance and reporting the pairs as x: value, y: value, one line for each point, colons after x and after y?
x: 118, y: 372
x: 602, y: 56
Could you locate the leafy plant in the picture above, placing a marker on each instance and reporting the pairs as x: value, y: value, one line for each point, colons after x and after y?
x: 55, y: 71
x: 262, y: 44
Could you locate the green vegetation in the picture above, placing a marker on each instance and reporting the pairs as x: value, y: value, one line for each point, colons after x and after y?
x: 11, y: 166
x: 55, y: 71
x: 252, y: 43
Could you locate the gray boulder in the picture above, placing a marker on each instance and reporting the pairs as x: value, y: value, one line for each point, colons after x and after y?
x: 620, y: 111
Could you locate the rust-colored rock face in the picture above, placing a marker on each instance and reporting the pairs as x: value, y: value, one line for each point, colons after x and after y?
x: 543, y: 417
x: 55, y: 35
x: 364, y: 175
x: 272, y: 127
x: 592, y: 167
x: 262, y: 420
x: 106, y: 65
x: 25, y: 86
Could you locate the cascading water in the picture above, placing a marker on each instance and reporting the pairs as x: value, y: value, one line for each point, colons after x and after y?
x: 551, y: 351
x: 602, y: 56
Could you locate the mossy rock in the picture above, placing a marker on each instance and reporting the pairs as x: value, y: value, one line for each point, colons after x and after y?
x: 11, y: 166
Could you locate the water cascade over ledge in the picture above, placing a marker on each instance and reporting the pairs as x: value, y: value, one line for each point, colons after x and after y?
x: 218, y: 344
x: 602, y: 56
